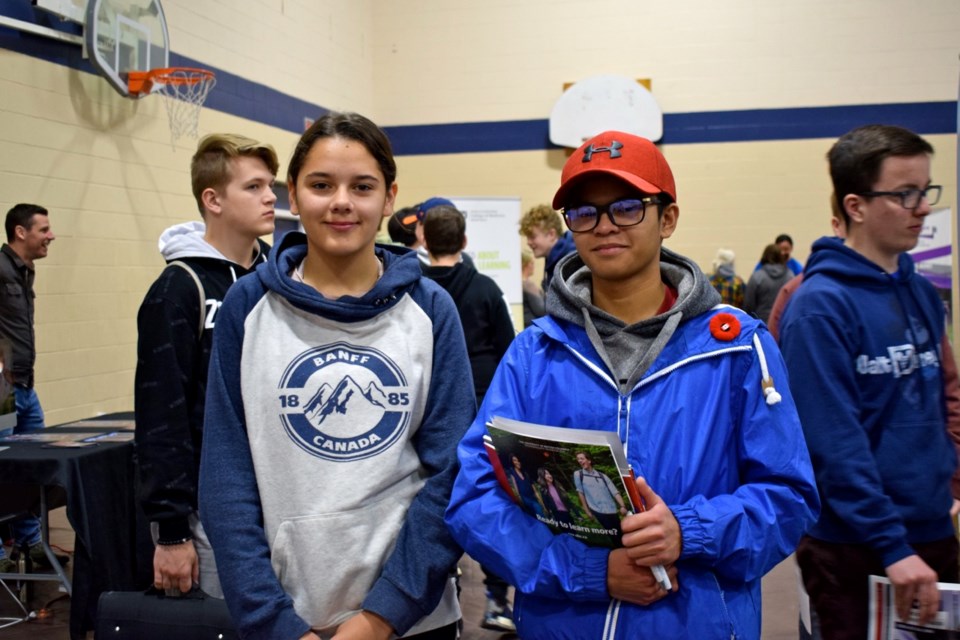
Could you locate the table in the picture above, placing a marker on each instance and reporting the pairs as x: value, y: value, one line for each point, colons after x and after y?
x: 98, y: 485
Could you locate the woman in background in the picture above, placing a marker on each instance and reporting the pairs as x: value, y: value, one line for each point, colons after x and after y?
x: 765, y: 283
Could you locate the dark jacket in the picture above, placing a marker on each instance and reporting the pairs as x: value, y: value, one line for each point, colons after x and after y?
x: 171, y: 378
x: 16, y: 314
x: 487, y: 325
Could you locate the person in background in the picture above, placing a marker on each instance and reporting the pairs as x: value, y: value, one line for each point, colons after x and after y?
x: 484, y: 316
x: 533, y: 303
x: 488, y: 329
x: 635, y: 333
x: 339, y: 387
x: 420, y: 211
x: 402, y: 228
x: 28, y: 239
x: 763, y: 286
x: 543, y: 229
x: 861, y: 339
x: 232, y: 182
x: 785, y: 244
x: 786, y: 291
x: 8, y: 400
x: 725, y: 279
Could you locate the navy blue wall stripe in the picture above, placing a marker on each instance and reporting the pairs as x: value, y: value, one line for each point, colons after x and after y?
x: 470, y: 137
x: 249, y: 100
x: 252, y: 101
x: 686, y: 128
x: 804, y: 123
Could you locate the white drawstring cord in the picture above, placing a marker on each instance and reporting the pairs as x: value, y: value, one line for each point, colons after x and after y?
x: 769, y: 391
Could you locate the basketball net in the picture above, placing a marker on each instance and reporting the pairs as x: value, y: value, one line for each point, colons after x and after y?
x: 183, y: 91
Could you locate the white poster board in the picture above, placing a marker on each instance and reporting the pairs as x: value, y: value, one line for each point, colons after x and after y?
x: 493, y: 240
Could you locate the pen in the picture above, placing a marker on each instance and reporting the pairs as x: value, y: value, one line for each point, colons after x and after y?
x: 659, y: 573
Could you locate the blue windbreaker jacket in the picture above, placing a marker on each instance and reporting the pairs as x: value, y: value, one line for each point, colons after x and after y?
x: 729, y: 461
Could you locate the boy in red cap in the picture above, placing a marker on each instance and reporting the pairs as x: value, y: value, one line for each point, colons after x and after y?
x: 689, y: 387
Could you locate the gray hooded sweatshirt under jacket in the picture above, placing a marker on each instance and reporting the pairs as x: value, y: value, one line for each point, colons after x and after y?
x: 629, y: 350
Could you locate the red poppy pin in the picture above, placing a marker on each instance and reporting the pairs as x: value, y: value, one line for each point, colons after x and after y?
x: 724, y: 326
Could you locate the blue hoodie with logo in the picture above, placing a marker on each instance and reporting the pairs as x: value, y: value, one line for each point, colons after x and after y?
x: 862, y: 350
x: 329, y: 449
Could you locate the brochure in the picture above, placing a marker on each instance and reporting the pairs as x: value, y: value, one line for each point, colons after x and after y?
x: 575, y: 481
x: 885, y: 624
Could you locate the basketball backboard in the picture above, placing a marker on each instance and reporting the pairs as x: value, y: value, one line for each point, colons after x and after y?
x: 604, y: 103
x: 126, y: 35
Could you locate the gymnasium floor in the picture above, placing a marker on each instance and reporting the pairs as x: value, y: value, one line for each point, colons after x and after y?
x: 53, y: 607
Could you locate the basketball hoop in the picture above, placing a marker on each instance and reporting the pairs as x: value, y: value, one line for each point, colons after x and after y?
x: 183, y: 89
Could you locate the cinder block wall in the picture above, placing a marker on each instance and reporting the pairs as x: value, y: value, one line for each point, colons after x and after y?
x: 105, y: 167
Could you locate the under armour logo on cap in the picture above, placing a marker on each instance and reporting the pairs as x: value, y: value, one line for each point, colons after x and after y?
x: 613, y: 150
x: 625, y: 156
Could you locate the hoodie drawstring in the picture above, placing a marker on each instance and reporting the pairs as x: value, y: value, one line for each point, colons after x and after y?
x: 913, y: 336
x: 769, y: 391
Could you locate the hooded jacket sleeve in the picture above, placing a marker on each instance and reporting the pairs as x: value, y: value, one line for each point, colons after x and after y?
x: 493, y: 529
x: 229, y: 496
x: 166, y: 389
x: 416, y: 572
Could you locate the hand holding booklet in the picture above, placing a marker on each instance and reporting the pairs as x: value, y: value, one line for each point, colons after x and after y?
x: 885, y: 624
x: 575, y: 481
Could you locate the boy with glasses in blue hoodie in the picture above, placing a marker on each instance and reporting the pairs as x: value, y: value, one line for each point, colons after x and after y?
x: 862, y: 339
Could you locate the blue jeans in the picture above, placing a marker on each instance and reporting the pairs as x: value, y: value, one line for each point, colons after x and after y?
x: 29, y: 411
x: 26, y: 531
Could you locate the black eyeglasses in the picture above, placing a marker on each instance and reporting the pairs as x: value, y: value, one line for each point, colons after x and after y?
x: 623, y: 213
x: 910, y: 198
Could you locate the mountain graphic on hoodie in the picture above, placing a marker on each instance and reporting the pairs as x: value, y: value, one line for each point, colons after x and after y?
x: 346, y: 410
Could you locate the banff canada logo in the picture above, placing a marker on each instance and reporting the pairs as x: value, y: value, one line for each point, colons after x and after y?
x: 342, y: 402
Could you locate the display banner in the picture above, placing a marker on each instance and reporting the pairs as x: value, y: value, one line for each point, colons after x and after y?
x: 493, y: 240
x: 933, y: 255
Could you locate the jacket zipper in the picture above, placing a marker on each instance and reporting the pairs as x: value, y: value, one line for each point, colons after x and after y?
x: 723, y: 601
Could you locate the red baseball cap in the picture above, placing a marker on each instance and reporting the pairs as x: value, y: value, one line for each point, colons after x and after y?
x: 633, y: 159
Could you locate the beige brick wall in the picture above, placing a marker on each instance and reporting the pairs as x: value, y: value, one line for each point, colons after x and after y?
x: 508, y: 59
x: 105, y: 167
x: 317, y: 50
